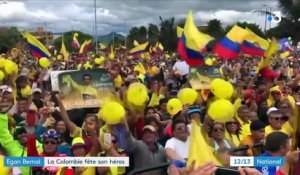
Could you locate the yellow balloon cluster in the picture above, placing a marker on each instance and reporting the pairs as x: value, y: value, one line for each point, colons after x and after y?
x: 44, y: 62
x: 112, y: 113
x: 174, y: 105
x: 137, y: 94
x: 187, y: 96
x: 1, y: 75
x: 10, y: 67
x: 221, y: 111
x: 221, y: 88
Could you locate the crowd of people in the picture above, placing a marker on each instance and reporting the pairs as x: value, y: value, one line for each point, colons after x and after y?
x: 266, y: 110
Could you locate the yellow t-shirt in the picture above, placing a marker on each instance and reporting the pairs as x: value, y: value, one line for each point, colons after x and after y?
x: 89, y: 170
x: 118, y: 81
x: 285, y: 129
x: 84, y: 90
x: 4, y: 170
x: 104, y: 129
x: 233, y: 138
x: 245, y: 128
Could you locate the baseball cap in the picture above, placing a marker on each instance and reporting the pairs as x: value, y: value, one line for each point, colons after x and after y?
x: 34, y: 90
x: 150, y: 128
x: 256, y: 125
x: 6, y: 88
x: 78, y: 142
x: 272, y: 109
x: 194, y: 109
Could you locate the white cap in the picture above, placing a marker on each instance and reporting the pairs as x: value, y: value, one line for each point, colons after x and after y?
x: 6, y: 88
x: 25, y: 72
x: 272, y: 109
x: 36, y: 90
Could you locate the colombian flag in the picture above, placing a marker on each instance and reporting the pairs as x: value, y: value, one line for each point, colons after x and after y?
x: 138, y: 50
x: 85, y: 47
x: 37, y: 49
x: 230, y: 46
x: 179, y: 32
x: 254, y: 45
x: 192, y: 42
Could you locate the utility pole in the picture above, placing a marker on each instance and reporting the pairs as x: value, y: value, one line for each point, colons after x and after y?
x: 96, y: 37
x: 46, y: 34
x: 125, y: 33
x: 113, y: 39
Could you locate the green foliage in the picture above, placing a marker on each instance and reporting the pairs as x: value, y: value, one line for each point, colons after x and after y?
x: 289, y: 25
x: 9, y: 37
x: 214, y: 28
x: 168, y: 36
x: 68, y: 38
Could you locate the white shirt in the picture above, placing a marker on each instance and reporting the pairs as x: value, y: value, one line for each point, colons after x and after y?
x: 181, y: 148
x: 181, y: 67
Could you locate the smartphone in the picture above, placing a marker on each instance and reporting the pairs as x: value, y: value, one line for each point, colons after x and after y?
x: 31, y: 118
x: 107, y: 138
x: 226, y: 171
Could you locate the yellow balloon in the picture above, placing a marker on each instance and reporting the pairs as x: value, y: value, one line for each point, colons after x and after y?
x: 221, y: 88
x: 44, y: 62
x: 221, y: 111
x: 111, y: 56
x: 99, y: 60
x: 112, y: 113
x: 10, y: 67
x: 174, y: 105
x: 209, y: 62
x: 2, y: 62
x: 1, y: 75
x: 187, y: 96
x: 59, y: 57
x: 26, y: 92
x: 137, y: 94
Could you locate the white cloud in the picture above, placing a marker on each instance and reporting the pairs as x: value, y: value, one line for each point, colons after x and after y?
x: 120, y: 16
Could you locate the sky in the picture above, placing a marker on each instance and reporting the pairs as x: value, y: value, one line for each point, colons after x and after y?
x: 120, y: 15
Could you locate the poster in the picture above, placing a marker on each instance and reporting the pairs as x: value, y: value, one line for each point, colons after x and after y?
x: 85, y: 88
x: 201, y: 77
x: 54, y: 79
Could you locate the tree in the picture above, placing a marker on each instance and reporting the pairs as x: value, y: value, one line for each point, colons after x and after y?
x: 68, y: 38
x: 214, y: 28
x: 137, y: 33
x: 291, y: 9
x: 168, y: 34
x: 9, y: 37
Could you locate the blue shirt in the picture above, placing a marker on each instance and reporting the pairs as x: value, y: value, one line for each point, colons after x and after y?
x: 267, y: 170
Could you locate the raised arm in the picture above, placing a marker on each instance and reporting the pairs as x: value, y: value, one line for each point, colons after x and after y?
x: 6, y: 139
x: 131, y: 142
x: 64, y: 115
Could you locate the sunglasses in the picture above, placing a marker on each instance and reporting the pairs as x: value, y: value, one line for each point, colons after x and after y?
x: 278, y: 118
x: 50, y: 142
x: 218, y: 129
x: 231, y: 123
